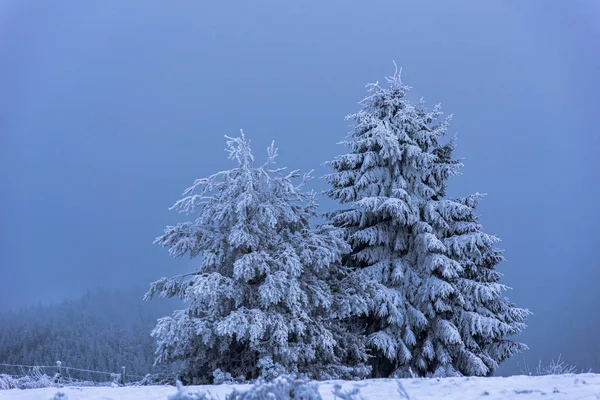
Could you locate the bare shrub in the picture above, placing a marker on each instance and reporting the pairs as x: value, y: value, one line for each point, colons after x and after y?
x: 556, y: 367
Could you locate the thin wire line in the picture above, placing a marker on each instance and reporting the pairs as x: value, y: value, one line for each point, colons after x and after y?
x: 69, y: 368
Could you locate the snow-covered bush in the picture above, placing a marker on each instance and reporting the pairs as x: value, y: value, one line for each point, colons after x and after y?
x: 220, y: 377
x: 353, y: 394
x: 282, y: 388
x: 6, y: 382
x: 184, y: 395
x: 269, y: 369
x: 555, y: 367
x: 35, y: 379
x: 158, y: 379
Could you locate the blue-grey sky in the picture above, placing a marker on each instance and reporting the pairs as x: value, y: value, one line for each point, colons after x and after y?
x: 109, y: 109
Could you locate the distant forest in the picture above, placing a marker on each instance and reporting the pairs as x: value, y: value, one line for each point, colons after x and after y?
x: 103, y: 330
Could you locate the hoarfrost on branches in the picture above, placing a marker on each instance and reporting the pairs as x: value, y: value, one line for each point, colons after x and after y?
x: 269, y: 289
x: 440, y: 308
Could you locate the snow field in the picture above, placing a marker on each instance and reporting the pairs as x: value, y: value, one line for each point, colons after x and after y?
x: 557, y: 387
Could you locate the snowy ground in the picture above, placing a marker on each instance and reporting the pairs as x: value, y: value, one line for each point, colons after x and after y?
x: 564, y: 387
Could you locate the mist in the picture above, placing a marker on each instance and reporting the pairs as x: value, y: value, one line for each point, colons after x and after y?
x: 109, y: 110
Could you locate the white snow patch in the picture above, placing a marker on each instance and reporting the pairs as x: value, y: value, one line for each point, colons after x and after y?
x: 558, y: 387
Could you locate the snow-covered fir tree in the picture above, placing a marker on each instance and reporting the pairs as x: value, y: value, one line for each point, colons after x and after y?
x: 441, y: 309
x: 269, y: 292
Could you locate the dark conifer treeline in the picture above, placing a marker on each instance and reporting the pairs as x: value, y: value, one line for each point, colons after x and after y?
x: 102, y: 330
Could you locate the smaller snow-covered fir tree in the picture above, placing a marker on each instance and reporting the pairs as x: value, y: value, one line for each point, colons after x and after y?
x: 267, y: 293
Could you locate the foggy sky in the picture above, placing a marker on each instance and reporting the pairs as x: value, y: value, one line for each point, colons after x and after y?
x: 109, y: 109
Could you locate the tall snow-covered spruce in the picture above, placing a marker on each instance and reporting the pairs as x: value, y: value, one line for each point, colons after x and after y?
x: 440, y: 310
x: 269, y: 292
